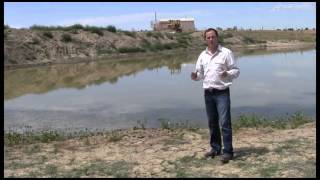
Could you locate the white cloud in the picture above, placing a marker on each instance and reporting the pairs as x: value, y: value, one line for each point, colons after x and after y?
x: 293, y: 6
x: 129, y: 18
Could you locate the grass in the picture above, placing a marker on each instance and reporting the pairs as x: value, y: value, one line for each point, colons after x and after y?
x: 94, y: 168
x: 269, y: 171
x: 129, y: 33
x: 272, y: 35
x: 176, y: 140
x: 289, y: 147
x: 98, y: 168
x: 34, y: 160
x: 130, y: 50
x: 141, y: 124
x: 51, y: 170
x: 93, y: 29
x: 147, y: 46
x: 286, y: 122
x: 170, y: 125
x: 29, y: 136
x: 34, y: 148
x: 272, y: 169
x: 183, y: 166
x: 115, y: 136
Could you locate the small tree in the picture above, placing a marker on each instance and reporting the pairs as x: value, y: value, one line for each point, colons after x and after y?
x: 111, y: 29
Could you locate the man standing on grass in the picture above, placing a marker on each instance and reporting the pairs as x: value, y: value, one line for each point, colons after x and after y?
x: 217, y: 67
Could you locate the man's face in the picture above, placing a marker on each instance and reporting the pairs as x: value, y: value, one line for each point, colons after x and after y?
x: 211, y: 38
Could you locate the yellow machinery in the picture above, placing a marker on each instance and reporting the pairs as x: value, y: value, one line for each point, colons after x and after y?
x: 175, y: 25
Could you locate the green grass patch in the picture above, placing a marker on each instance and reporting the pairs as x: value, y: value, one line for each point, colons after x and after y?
x: 51, y: 170
x: 130, y: 50
x: 93, y: 29
x: 269, y: 171
x: 168, y: 124
x: 114, y: 136
x: 141, y: 124
x: 175, y: 140
x: 117, y: 169
x: 96, y: 31
x: 130, y: 33
x: 184, y: 164
x: 147, y: 46
x: 29, y: 136
x: 289, y: 147
x: 34, y: 148
x: 284, y: 122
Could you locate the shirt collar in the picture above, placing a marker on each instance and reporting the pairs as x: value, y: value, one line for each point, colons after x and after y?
x: 218, y: 49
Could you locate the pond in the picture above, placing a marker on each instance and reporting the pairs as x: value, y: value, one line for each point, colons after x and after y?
x: 111, y: 94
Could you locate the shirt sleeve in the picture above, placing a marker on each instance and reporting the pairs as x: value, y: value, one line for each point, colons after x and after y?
x: 199, y: 69
x: 233, y: 70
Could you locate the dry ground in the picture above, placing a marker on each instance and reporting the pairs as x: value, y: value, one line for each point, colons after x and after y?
x: 168, y: 153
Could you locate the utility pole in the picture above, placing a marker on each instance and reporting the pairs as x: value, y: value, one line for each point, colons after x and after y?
x: 155, y: 21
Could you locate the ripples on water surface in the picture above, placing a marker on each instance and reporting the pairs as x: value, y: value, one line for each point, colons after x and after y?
x: 112, y: 95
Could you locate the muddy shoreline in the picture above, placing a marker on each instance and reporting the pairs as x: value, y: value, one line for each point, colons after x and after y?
x: 271, y: 46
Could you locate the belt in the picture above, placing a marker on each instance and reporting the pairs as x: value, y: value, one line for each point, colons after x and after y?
x: 211, y: 90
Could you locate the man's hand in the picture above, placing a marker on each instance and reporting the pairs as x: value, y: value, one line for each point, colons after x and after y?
x: 223, y: 74
x: 194, y: 76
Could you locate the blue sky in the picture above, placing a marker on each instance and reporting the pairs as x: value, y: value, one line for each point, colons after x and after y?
x: 138, y: 15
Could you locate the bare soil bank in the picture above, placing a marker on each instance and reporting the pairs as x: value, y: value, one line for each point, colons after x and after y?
x: 26, y: 47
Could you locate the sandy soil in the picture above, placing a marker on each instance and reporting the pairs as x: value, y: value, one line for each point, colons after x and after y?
x: 168, y: 153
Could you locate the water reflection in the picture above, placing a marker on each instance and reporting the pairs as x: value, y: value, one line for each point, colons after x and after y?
x: 44, y: 79
x: 110, y: 94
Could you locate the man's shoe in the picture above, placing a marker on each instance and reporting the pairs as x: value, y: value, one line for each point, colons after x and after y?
x: 225, y: 158
x: 211, y: 154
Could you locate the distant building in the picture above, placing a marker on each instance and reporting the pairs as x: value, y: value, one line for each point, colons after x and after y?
x: 182, y: 25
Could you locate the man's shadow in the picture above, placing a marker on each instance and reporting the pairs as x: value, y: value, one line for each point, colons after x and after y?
x: 245, y: 152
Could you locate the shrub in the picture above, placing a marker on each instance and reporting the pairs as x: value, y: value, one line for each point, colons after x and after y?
x: 157, y: 35
x: 149, y: 34
x: 227, y: 35
x: 76, y: 26
x: 35, y: 41
x: 111, y: 29
x: 128, y: 33
x: 48, y: 34
x: 97, y: 31
x: 66, y: 38
x: 248, y: 40
x: 130, y: 50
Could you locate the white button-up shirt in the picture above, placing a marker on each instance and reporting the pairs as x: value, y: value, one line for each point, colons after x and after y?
x: 209, y: 66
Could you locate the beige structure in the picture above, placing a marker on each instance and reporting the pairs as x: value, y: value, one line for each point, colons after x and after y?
x: 183, y: 24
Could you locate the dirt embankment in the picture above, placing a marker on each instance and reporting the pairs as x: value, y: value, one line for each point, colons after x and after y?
x: 28, y: 46
x: 259, y: 152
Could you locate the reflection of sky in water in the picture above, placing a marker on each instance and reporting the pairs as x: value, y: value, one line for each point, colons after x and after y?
x: 277, y: 83
x: 283, y: 78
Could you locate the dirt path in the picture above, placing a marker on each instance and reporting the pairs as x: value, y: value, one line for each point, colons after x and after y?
x: 168, y: 153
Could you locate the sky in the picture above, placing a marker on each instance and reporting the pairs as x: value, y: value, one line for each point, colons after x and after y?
x: 138, y: 15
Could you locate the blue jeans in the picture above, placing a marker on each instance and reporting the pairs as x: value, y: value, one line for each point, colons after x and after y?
x: 218, y: 112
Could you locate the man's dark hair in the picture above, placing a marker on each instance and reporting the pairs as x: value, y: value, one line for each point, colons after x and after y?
x: 210, y: 29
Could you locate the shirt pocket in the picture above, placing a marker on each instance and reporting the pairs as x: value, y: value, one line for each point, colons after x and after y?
x: 220, y: 65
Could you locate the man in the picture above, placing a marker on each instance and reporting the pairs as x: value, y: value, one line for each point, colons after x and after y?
x: 217, y: 67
